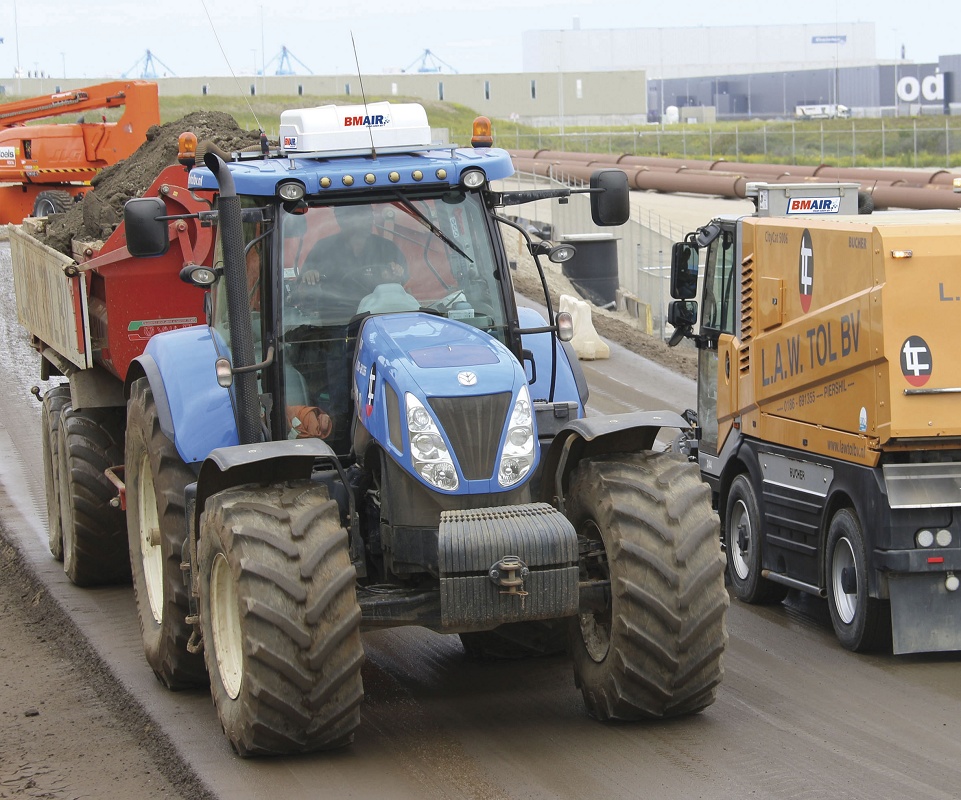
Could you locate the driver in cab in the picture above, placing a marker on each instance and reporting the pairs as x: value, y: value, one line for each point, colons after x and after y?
x: 357, y: 262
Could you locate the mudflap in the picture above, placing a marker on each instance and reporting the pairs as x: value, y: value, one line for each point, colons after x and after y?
x: 506, y: 564
x: 925, y: 616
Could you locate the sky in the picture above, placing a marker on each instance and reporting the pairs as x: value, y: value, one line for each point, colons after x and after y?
x: 111, y: 38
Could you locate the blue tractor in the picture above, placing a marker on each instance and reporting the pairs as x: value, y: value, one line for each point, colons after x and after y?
x: 368, y: 432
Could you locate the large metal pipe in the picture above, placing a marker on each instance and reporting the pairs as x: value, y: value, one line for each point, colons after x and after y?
x: 665, y: 163
x: 533, y: 166
x: 890, y: 188
x: 666, y: 180
x: 764, y: 171
x: 574, y: 158
x: 751, y: 171
x: 940, y: 178
x: 692, y: 181
x: 919, y: 197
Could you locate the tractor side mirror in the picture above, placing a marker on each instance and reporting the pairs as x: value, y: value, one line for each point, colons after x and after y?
x: 146, y: 230
x: 684, y: 262
x: 610, y: 197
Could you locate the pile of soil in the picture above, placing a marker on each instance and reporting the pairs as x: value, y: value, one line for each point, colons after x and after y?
x: 100, y: 211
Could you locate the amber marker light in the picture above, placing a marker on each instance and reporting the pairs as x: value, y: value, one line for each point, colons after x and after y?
x: 187, y: 149
x: 482, y: 137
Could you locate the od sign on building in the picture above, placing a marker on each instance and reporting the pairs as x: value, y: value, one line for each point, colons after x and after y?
x: 929, y: 88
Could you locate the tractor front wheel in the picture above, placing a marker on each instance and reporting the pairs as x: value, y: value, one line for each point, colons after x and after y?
x: 645, y: 524
x: 280, y: 619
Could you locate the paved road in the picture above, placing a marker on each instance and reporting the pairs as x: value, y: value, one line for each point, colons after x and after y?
x: 796, y: 716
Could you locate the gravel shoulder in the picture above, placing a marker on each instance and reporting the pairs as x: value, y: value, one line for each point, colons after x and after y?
x: 67, y: 727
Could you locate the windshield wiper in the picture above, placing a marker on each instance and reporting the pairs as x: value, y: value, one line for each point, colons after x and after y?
x: 415, y: 212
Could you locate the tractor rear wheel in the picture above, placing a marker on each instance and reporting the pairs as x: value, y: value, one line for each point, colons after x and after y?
x: 645, y: 523
x: 53, y: 404
x: 280, y: 619
x: 94, y: 535
x: 156, y: 476
x: 515, y: 640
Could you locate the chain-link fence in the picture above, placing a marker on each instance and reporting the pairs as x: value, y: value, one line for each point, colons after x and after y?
x: 642, y: 246
x: 886, y: 143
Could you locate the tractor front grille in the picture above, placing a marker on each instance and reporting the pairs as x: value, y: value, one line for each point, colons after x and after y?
x: 474, y: 426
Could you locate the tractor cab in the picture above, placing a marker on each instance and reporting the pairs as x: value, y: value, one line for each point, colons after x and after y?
x: 366, y: 218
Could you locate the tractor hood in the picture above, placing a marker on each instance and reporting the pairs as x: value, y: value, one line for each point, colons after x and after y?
x: 421, y: 380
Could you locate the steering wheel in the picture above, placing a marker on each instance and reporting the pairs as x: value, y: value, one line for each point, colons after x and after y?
x: 337, y: 295
x: 445, y: 303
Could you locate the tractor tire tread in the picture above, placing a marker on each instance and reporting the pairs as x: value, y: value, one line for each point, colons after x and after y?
x: 302, y: 686
x: 668, y: 630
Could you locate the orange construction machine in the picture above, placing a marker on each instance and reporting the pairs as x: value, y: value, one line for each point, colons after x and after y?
x: 44, y: 167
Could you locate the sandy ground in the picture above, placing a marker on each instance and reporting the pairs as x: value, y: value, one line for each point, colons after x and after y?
x: 67, y: 729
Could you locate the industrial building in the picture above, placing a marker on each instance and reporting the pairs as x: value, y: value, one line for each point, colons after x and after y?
x: 745, y: 71
x: 640, y: 75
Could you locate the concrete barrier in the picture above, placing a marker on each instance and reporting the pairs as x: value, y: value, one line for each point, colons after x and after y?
x: 586, y: 342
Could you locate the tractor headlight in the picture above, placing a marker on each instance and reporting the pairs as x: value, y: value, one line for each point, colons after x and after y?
x: 418, y: 420
x: 428, y: 452
x: 518, y: 456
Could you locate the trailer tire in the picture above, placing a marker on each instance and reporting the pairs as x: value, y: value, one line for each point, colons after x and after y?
x: 280, y: 619
x: 155, y: 477
x: 94, y: 534
x: 533, y: 639
x: 52, y: 201
x: 53, y: 403
x: 743, y: 545
x: 861, y: 623
x: 656, y: 650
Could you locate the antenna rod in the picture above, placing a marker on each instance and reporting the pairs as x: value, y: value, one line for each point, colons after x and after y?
x: 230, y: 66
x: 363, y: 94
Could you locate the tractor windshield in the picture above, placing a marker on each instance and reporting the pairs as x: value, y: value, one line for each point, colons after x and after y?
x: 431, y: 254
x: 400, y: 255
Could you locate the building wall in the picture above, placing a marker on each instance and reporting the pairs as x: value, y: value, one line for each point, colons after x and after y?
x: 579, y: 97
x: 870, y: 90
x: 693, y: 51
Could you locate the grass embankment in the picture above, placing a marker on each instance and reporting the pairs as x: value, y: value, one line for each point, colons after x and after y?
x: 929, y: 141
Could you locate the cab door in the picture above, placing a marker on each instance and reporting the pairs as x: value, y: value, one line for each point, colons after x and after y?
x: 717, y: 360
